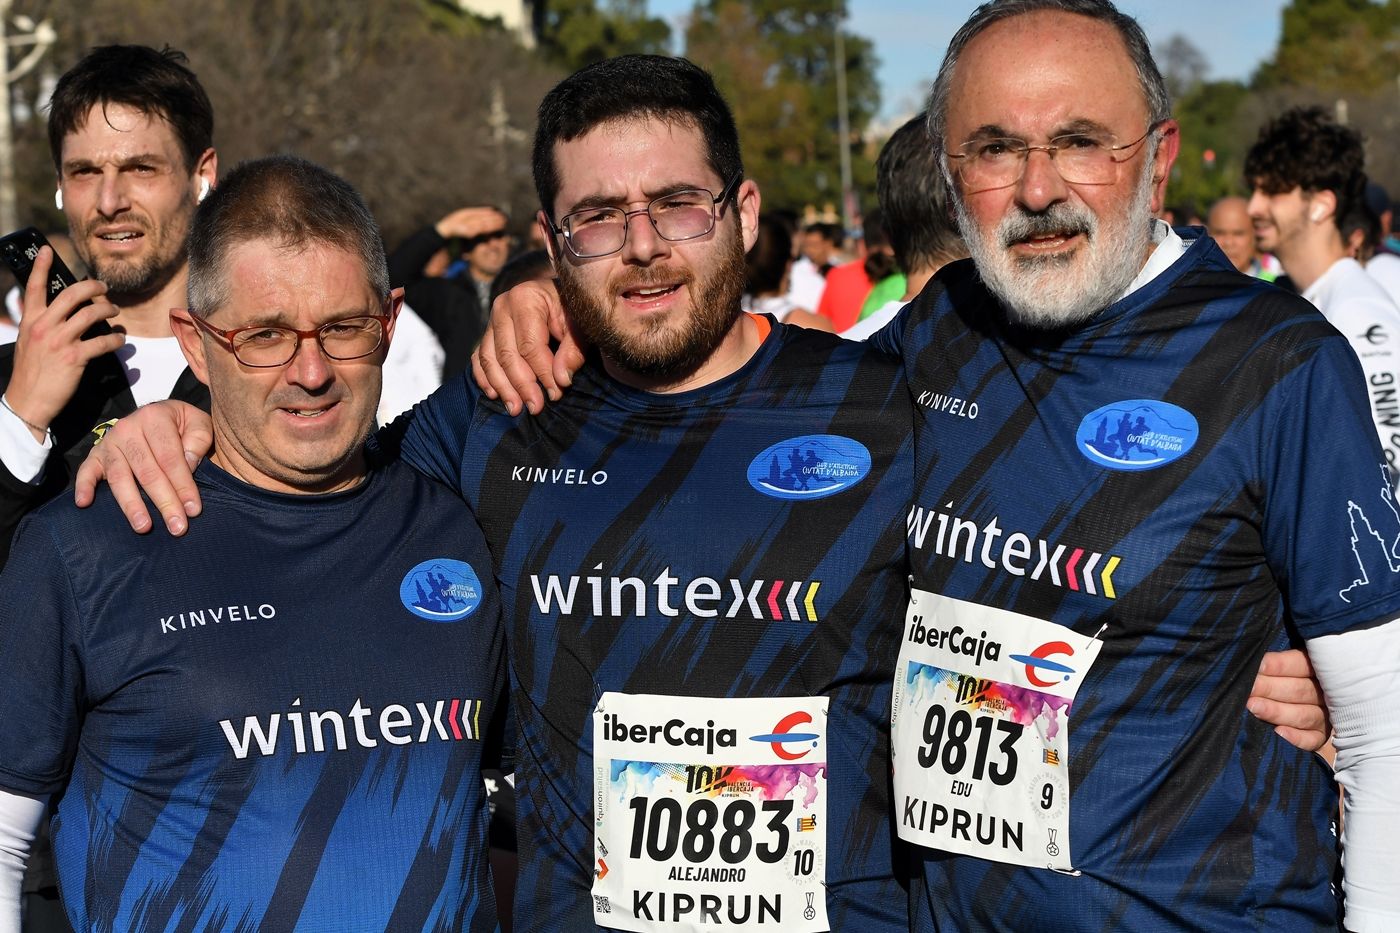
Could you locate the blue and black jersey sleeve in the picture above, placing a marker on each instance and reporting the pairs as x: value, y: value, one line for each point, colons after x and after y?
x: 1331, y: 528
x: 43, y: 684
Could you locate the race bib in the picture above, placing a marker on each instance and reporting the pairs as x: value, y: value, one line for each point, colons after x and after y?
x: 710, y: 814
x: 980, y: 731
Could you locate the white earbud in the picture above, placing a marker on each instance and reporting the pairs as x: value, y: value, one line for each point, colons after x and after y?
x: 58, y: 198
x: 203, y: 189
x: 1316, y: 214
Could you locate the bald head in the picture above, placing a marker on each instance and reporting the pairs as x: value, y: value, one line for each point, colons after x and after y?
x: 1229, y: 225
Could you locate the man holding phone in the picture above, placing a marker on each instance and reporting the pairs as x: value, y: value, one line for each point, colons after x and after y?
x: 130, y: 130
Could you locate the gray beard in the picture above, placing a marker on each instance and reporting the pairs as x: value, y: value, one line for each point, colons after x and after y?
x: 1050, y: 293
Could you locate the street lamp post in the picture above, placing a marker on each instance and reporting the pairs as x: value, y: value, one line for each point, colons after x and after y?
x: 843, y: 124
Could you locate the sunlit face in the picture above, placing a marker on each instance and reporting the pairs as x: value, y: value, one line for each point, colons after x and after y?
x: 658, y: 309
x: 1056, y: 253
x: 1229, y: 225
x: 1280, y: 220
x: 488, y: 256
x: 129, y: 198
x: 298, y: 427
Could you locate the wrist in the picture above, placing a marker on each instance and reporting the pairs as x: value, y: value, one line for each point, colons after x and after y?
x: 40, y: 432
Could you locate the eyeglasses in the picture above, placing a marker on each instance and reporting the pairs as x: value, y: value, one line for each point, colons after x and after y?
x: 264, y: 345
x: 680, y: 215
x: 1080, y: 158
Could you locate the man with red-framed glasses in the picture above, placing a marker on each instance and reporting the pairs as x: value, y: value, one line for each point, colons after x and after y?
x: 281, y: 718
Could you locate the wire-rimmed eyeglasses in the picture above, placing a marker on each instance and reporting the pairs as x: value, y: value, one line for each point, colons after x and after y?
x: 679, y: 215
x: 1087, y: 158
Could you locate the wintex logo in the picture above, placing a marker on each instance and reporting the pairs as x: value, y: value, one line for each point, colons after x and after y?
x: 667, y: 595
x: 1059, y: 564
x: 454, y: 720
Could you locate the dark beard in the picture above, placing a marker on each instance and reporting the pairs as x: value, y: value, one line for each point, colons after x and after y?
x: 714, y: 308
x: 129, y: 284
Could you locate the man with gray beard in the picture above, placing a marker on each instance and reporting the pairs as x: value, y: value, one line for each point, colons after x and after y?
x: 1171, y: 470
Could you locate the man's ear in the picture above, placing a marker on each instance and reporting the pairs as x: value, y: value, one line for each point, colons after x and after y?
x: 1322, y: 205
x: 748, y: 200
x: 206, y: 172
x: 191, y: 343
x: 551, y: 245
x: 1168, y: 146
x: 395, y: 306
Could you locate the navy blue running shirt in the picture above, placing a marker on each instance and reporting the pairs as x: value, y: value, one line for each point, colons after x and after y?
x: 741, y: 540
x: 275, y: 722
x: 1187, y: 481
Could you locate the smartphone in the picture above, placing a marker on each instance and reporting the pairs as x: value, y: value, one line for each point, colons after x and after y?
x: 18, y: 249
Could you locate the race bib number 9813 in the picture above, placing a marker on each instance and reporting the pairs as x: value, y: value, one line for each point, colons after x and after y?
x: 980, y: 725
x: 710, y: 814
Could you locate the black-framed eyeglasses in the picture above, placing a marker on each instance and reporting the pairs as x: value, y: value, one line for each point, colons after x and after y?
x: 1085, y: 158
x: 680, y: 215
x: 264, y: 346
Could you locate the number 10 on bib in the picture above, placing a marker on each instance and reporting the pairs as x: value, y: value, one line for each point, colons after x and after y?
x: 710, y: 814
x: 979, y: 731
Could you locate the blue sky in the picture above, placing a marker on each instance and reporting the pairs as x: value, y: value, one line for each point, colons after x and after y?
x: 911, y: 35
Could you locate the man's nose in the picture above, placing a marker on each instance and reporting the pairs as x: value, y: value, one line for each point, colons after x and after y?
x: 644, y: 244
x: 1041, y: 184
x: 310, y: 367
x: 1258, y: 205
x: 112, y: 195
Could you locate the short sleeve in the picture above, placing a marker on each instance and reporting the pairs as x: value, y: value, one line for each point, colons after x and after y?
x: 1331, y: 527
x: 42, y: 686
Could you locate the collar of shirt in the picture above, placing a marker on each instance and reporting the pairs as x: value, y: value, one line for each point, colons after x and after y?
x: 1170, y: 247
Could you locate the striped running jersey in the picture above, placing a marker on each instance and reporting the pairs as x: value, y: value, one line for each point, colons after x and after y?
x: 1111, y: 525
x: 740, y: 541
x: 276, y: 722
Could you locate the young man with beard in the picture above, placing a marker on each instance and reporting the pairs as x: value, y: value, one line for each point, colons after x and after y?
x: 279, y: 721
x: 701, y: 548
x: 131, y: 130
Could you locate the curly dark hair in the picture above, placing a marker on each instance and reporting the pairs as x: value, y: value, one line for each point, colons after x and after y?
x: 1305, y: 148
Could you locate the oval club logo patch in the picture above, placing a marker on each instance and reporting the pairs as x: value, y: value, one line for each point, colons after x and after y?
x: 441, y: 590
x: 1137, y: 434
x: 813, y: 466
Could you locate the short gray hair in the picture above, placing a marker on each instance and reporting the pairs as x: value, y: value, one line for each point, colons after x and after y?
x: 290, y: 201
x: 1154, y: 88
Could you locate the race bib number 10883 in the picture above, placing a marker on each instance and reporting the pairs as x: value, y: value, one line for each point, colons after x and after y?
x: 709, y: 814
